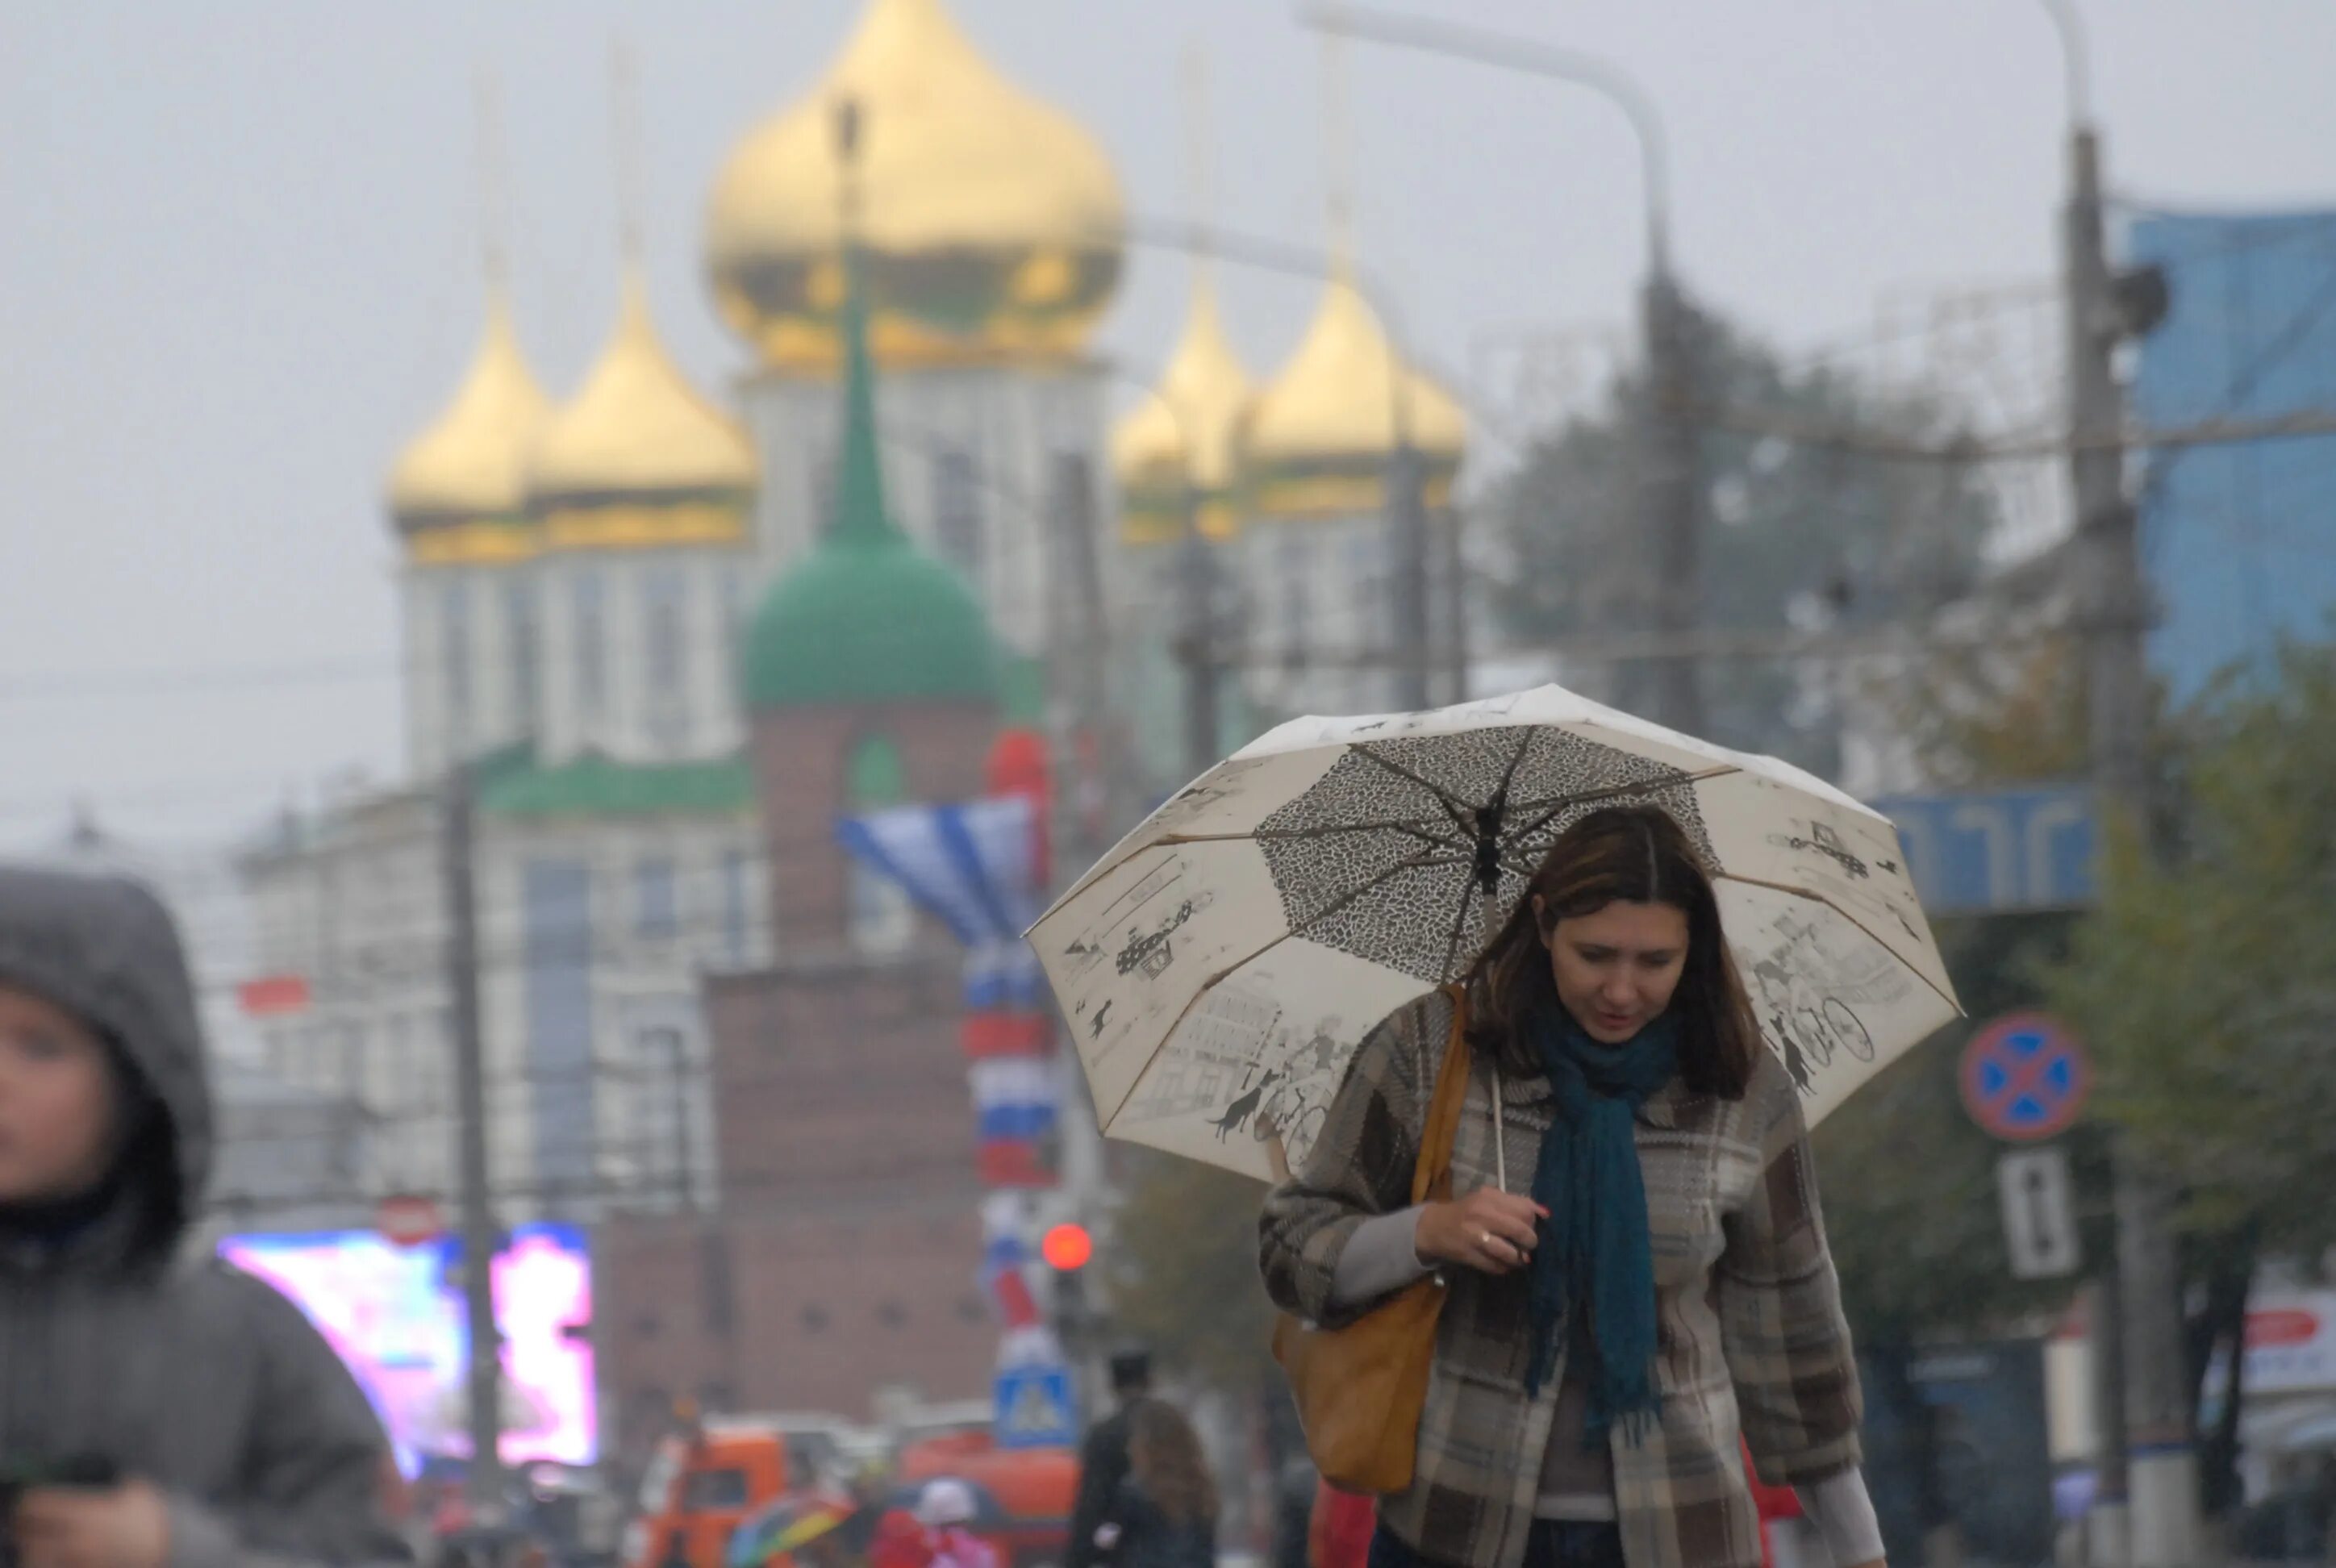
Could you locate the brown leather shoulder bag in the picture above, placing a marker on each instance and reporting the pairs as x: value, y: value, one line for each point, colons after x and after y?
x: 1360, y: 1389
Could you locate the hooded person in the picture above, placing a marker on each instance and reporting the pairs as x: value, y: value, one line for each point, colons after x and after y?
x: 159, y: 1408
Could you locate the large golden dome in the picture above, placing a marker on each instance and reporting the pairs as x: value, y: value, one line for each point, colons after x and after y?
x: 1187, y: 431
x: 638, y: 456
x: 1319, y: 435
x: 470, y: 463
x: 988, y: 217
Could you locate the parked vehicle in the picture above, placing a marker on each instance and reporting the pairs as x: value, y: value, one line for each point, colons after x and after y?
x: 1031, y: 1489
x: 705, y: 1480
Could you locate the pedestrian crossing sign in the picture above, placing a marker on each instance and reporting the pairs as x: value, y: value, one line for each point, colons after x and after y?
x: 1035, y: 1408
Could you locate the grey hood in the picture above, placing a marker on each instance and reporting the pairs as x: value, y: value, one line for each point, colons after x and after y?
x: 106, y: 949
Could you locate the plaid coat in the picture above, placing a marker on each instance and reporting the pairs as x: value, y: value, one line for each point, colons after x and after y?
x: 1752, y: 1336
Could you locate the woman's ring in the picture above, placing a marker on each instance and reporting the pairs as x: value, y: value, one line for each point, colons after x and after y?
x: 1484, y: 1240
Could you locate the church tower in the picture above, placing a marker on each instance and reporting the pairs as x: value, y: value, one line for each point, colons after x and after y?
x: 1320, y: 448
x: 871, y: 676
x: 990, y: 249
x: 642, y: 492
x: 1320, y: 552
x: 457, y: 497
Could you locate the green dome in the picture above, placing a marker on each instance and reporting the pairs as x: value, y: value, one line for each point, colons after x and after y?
x: 868, y: 622
x: 868, y: 618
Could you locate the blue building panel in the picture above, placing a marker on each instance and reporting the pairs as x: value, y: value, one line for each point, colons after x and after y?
x: 2239, y: 541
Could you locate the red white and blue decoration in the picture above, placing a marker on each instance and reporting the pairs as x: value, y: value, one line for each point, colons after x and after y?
x: 975, y: 866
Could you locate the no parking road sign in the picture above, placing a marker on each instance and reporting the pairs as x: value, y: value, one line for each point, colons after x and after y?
x: 2025, y: 1078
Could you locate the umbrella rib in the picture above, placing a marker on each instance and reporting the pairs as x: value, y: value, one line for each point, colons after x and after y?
x: 1413, y: 825
x: 1416, y: 862
x: 1516, y: 760
x: 1459, y: 924
x: 1451, y: 801
x: 1871, y: 934
x: 1557, y: 803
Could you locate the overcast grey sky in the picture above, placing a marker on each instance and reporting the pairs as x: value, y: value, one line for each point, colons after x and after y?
x: 237, y: 260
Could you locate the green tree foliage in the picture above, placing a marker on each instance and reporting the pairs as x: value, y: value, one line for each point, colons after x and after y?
x: 1801, y: 533
x: 2205, y: 982
x: 1181, y: 1276
x: 1909, y: 1179
x: 2207, y: 978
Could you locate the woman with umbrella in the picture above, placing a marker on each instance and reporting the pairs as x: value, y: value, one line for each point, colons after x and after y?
x: 1637, y: 1268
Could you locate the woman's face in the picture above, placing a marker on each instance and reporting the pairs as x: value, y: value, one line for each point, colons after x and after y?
x: 1617, y: 968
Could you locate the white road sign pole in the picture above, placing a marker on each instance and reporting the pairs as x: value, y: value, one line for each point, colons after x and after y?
x: 2040, y: 1217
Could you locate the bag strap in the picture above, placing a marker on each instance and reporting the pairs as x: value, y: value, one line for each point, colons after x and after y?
x: 1431, y: 1178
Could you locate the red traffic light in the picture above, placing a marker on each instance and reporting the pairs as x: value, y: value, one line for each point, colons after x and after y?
x: 1068, y: 1248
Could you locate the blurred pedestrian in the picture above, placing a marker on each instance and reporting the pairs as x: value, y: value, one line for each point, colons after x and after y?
x: 1339, y: 1534
x: 1164, y: 1514
x: 870, y: 1489
x: 1635, y: 1261
x: 899, y: 1542
x: 1103, y: 1458
x: 157, y: 1409
x: 947, y: 1509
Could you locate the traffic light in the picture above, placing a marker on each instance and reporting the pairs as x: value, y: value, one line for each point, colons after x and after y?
x: 1068, y: 1248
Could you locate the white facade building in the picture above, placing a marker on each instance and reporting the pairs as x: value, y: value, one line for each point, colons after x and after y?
x: 577, y: 583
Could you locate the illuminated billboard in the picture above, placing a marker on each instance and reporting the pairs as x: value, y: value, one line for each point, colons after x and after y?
x: 394, y: 1314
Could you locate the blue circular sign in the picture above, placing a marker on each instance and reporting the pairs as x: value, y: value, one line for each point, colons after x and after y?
x: 2025, y: 1078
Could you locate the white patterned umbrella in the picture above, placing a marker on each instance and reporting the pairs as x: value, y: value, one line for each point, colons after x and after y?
x: 1220, y: 965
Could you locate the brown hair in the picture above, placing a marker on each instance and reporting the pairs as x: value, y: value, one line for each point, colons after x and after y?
x: 1633, y: 854
x: 1164, y: 1454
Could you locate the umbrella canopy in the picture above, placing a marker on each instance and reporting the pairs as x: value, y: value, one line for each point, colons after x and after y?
x: 1220, y: 965
x: 781, y: 1526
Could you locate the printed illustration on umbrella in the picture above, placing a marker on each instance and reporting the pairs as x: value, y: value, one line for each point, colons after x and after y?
x: 1219, y: 966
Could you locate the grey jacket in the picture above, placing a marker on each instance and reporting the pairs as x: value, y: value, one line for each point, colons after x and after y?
x: 176, y: 1368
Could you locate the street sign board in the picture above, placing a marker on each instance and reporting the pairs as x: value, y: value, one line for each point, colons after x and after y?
x: 2039, y: 1212
x: 1986, y: 852
x: 1035, y: 1410
x: 2025, y: 1078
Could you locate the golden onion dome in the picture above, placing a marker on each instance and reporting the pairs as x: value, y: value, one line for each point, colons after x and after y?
x: 1319, y: 436
x: 988, y: 217
x: 1187, y: 431
x: 472, y: 461
x: 637, y: 434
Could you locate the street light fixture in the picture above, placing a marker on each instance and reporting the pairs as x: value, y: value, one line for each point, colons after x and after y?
x: 1532, y: 57
x: 2074, y: 60
x: 1671, y: 484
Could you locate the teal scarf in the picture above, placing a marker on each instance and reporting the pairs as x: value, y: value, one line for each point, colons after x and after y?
x: 1594, y: 1269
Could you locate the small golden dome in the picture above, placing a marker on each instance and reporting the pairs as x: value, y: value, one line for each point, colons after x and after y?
x: 472, y: 462
x: 987, y: 216
x: 1319, y: 436
x: 637, y: 429
x: 1202, y: 398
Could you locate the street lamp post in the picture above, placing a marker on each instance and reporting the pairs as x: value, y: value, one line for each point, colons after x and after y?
x: 1671, y: 478
x: 2148, y: 1465
x: 1195, y: 640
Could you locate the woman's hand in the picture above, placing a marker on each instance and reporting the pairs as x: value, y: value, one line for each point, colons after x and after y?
x: 1488, y: 1230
